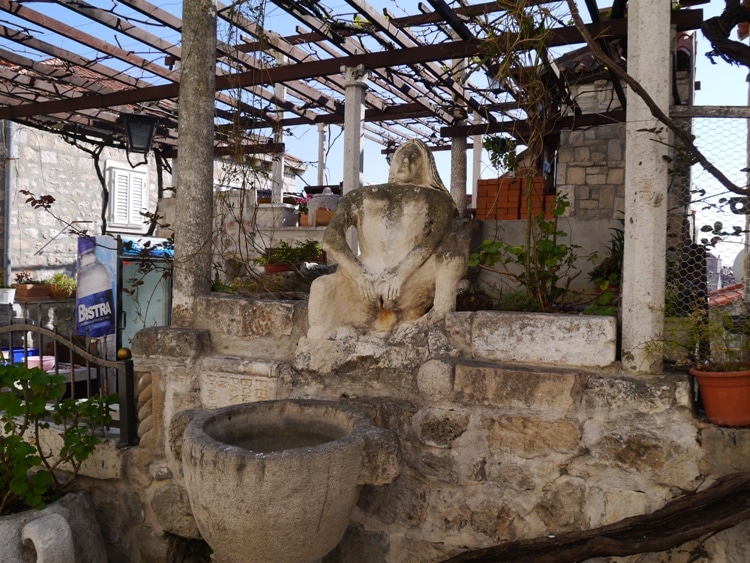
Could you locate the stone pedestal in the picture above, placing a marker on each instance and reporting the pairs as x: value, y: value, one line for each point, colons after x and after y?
x: 276, y: 215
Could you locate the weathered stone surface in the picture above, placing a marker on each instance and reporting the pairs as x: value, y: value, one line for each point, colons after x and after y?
x: 536, y: 338
x: 184, y: 344
x: 410, y: 260
x: 435, y: 380
x: 361, y: 546
x: 620, y: 504
x: 527, y: 438
x: 440, y: 427
x: 516, y: 388
x: 403, y: 501
x: 361, y: 359
x: 646, y: 395
x: 725, y: 450
x: 251, y: 327
x: 172, y: 509
x: 562, y: 505
x: 222, y: 389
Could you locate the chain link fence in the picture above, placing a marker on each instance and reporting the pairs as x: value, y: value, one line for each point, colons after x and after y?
x: 706, y: 236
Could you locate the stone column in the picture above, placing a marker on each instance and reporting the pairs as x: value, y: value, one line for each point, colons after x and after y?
x: 458, y: 166
x: 192, y: 263
x: 322, y: 127
x: 644, y: 264
x: 354, y: 131
x: 277, y: 168
x: 477, y: 163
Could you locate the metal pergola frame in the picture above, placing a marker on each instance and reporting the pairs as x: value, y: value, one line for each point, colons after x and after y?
x: 415, y: 91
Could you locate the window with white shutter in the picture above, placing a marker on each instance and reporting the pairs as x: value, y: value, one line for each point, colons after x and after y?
x: 127, y: 199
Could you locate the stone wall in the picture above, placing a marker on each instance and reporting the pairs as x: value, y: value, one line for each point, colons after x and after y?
x: 494, y: 449
x: 47, y: 165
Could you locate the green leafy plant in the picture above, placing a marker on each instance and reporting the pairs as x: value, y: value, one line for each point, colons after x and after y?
x: 285, y: 253
x: 544, y: 266
x: 33, y: 472
x: 607, y: 277
x: 62, y: 285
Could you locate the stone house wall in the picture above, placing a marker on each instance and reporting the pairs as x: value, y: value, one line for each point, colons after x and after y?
x: 47, y: 165
x: 495, y: 446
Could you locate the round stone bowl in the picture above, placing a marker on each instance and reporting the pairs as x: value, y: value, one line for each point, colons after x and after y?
x: 276, y: 481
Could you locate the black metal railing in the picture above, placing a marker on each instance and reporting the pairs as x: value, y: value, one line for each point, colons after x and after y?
x: 87, y: 372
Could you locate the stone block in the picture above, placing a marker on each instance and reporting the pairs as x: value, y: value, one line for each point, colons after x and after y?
x: 620, y: 504
x: 726, y: 450
x: 541, y: 338
x: 224, y: 389
x: 435, y: 380
x: 553, y: 393
x: 167, y: 342
x: 528, y: 437
x: 440, y: 427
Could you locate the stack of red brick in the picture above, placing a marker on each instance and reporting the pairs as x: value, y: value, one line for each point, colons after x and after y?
x: 505, y: 199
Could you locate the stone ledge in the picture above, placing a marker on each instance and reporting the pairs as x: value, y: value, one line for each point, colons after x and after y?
x: 583, y: 341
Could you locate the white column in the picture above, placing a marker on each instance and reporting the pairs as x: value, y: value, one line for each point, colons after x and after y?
x: 644, y: 264
x: 477, y: 170
x: 322, y: 127
x: 354, y: 130
x: 277, y: 168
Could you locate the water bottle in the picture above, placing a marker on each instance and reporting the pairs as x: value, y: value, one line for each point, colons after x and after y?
x: 95, y: 314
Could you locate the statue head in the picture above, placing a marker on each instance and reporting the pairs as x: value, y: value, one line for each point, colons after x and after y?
x: 413, y: 163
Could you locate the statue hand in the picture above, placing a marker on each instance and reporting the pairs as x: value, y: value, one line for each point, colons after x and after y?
x: 390, y: 286
x: 367, y: 286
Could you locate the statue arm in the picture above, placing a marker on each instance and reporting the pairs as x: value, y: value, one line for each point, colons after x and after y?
x: 390, y: 282
x: 335, y: 244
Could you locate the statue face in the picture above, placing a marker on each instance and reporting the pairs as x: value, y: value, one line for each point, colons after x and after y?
x: 407, y: 165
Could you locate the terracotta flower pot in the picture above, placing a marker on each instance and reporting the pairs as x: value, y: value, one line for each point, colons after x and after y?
x: 32, y: 291
x: 725, y: 395
x: 303, y: 219
x: 276, y: 268
x: 323, y: 217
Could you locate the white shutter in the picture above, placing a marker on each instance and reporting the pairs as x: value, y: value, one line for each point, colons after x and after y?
x: 127, y: 199
x: 137, y: 203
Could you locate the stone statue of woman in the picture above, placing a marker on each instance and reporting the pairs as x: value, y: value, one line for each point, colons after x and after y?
x: 407, y: 266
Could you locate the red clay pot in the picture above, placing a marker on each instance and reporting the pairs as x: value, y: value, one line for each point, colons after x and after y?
x: 725, y: 395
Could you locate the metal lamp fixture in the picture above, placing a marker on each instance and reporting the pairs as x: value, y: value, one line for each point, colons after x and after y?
x: 139, y: 131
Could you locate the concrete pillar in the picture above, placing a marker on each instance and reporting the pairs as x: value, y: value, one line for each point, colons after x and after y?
x: 458, y: 171
x: 477, y: 163
x: 646, y: 179
x: 277, y: 168
x: 354, y: 126
x: 322, y: 128
x: 192, y: 261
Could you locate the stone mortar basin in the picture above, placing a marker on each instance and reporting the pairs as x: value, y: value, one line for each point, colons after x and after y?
x: 277, y: 481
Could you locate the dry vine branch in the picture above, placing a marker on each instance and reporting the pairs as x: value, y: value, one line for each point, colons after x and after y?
x: 724, y: 504
x: 656, y: 111
x: 717, y: 31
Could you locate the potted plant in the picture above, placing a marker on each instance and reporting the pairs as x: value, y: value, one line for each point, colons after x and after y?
x: 718, y: 350
x: 62, y: 286
x: 27, y: 288
x: 302, y: 210
x: 287, y: 258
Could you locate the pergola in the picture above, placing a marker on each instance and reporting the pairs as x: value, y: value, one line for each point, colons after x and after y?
x: 73, y: 68
x: 78, y: 67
